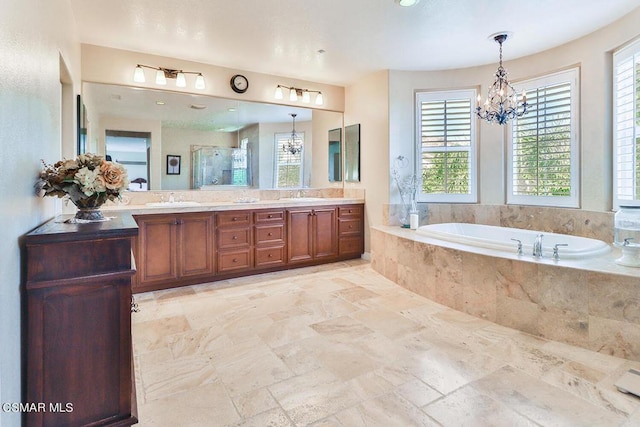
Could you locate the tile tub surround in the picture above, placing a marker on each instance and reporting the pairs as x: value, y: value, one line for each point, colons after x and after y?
x: 340, y: 345
x: 592, y: 304
x: 596, y: 225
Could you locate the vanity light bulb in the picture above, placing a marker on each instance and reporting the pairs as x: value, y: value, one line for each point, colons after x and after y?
x: 319, y: 99
x: 306, y: 97
x: 160, y: 78
x: 181, y: 80
x: 278, y: 94
x: 138, y: 75
x: 293, y: 95
x: 199, y: 82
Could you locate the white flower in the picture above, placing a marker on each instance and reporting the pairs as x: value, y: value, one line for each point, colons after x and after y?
x: 89, y: 180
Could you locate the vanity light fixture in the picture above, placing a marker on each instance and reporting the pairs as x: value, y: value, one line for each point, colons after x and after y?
x: 295, y: 93
x: 162, y: 74
x: 501, y: 103
x: 294, y: 143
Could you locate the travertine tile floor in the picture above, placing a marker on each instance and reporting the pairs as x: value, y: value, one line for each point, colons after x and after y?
x: 340, y: 345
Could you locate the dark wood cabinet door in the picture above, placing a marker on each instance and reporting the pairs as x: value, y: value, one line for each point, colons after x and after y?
x: 324, y: 233
x: 157, y: 261
x: 299, y: 237
x: 196, y: 247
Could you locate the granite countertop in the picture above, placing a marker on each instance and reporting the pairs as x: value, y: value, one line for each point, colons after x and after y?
x: 179, y: 207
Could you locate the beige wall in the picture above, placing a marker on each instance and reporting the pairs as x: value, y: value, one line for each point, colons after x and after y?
x: 592, y: 53
x: 35, y: 36
x: 113, y: 66
x: 367, y: 103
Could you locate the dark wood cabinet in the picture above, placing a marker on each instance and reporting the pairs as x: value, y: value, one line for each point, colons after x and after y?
x: 78, y: 323
x: 311, y: 234
x: 174, y: 247
x: 196, y: 247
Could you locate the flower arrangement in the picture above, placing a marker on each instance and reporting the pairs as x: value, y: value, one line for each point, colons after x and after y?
x: 88, y: 181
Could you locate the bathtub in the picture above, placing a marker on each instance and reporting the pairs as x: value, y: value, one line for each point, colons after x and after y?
x: 499, y: 238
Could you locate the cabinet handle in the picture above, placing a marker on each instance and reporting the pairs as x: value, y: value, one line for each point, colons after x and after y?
x: 269, y: 234
x: 350, y: 211
x: 234, y: 260
x: 269, y: 256
x: 351, y: 226
x: 269, y: 216
x: 234, y: 219
x: 235, y: 237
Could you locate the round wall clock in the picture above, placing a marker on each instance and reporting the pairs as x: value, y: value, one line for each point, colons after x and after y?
x: 239, y: 83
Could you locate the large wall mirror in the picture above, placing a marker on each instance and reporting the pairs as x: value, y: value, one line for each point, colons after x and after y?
x: 352, y: 153
x: 221, y: 143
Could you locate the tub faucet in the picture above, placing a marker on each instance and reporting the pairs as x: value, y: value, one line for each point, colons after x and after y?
x: 519, y: 248
x: 537, y: 246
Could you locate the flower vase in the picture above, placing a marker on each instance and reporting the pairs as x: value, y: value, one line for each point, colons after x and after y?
x: 89, y: 214
x: 89, y: 209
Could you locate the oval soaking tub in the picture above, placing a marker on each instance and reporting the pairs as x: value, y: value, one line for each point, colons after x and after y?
x: 499, y: 238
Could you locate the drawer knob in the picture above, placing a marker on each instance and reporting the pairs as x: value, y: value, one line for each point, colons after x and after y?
x: 351, y: 226
x: 269, y: 216
x: 234, y: 219
x: 234, y: 260
x: 269, y: 256
x: 270, y: 234
x: 235, y: 237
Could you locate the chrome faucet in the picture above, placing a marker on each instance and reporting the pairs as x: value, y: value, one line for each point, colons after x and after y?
x: 537, y: 246
x: 171, y: 198
x: 519, y: 247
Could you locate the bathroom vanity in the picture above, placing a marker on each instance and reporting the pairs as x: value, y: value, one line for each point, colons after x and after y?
x: 78, y: 323
x: 185, y: 246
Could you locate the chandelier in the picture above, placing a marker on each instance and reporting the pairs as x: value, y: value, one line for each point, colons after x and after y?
x: 501, y: 103
x: 294, y: 143
x: 162, y: 74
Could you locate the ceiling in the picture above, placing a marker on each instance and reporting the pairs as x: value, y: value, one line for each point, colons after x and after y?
x: 284, y: 37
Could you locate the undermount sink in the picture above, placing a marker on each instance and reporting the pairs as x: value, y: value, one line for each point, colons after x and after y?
x: 302, y: 199
x: 172, y: 204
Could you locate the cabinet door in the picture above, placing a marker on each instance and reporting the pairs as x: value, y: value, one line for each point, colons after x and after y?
x: 195, y: 250
x: 299, y: 237
x: 157, y: 260
x: 324, y: 233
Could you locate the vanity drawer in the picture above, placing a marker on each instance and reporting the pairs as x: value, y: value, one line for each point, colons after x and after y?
x: 234, y: 260
x: 269, y: 234
x: 232, y: 237
x: 349, y: 226
x: 269, y: 216
x: 233, y: 219
x: 270, y: 256
x: 350, y: 211
x: 350, y: 245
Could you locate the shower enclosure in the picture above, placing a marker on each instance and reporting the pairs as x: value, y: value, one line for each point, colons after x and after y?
x: 217, y: 166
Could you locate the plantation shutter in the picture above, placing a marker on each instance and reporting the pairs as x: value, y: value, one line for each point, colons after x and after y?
x: 543, y: 164
x: 626, y: 123
x: 445, y: 145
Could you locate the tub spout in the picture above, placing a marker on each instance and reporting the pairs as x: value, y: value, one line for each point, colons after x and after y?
x: 537, y: 246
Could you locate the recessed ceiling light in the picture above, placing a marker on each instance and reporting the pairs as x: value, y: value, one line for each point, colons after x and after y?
x: 407, y: 3
x: 231, y: 110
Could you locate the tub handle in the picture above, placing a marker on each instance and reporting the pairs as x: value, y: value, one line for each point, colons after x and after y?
x: 519, y: 248
x: 626, y: 241
x: 555, y: 250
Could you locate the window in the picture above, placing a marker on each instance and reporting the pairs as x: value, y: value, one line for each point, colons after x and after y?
x: 288, y: 166
x: 543, y: 144
x: 626, y: 126
x: 446, y: 146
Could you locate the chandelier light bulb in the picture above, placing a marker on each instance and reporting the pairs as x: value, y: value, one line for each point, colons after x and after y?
x: 138, y: 75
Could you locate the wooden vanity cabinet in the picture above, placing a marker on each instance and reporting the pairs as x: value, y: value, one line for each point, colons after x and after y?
x: 311, y: 234
x: 78, y: 323
x: 174, y: 249
x: 234, y: 241
x: 269, y: 237
x: 350, y: 230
